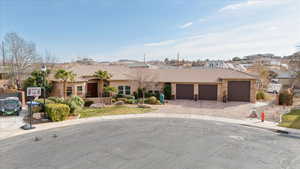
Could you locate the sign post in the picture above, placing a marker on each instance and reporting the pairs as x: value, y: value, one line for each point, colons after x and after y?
x: 32, y: 92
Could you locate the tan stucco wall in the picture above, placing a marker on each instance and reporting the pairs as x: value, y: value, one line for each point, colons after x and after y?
x: 58, y: 88
x: 222, y: 88
x: 133, y: 85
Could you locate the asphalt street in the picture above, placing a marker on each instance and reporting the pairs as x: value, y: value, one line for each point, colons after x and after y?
x: 151, y: 144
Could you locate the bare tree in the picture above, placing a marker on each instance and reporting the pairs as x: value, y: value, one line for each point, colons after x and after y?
x: 294, y: 68
x: 2, y: 51
x: 49, y: 59
x: 144, y: 79
x: 20, y: 54
x: 264, y: 75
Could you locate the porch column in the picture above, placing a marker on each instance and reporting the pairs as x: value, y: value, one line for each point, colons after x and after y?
x: 173, y: 87
x: 196, y: 92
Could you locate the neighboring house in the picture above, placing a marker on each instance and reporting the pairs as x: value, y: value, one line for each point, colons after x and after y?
x: 287, y: 79
x: 191, y: 84
x: 224, y: 65
x: 138, y: 65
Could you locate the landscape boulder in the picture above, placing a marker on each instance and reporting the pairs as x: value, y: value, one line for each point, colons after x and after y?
x: 119, y: 103
x: 97, y: 105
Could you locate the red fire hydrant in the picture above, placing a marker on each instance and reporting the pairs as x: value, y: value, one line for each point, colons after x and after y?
x: 262, y: 116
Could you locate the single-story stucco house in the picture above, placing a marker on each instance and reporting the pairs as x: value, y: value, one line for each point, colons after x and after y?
x: 193, y: 84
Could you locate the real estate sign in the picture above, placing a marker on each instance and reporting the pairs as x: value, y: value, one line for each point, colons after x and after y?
x: 34, y: 91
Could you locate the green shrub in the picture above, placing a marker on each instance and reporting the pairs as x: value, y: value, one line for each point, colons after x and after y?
x: 135, y: 94
x: 140, y: 93
x: 122, y: 99
x: 168, y: 91
x: 57, y: 112
x: 87, y: 103
x: 57, y: 100
x: 148, y: 94
x: 41, y: 101
x: 140, y: 101
x: 152, y: 100
x: 41, y: 107
x: 119, y: 96
x: 129, y: 97
x: 285, y: 98
x: 260, y: 95
x: 131, y: 101
x: 75, y: 103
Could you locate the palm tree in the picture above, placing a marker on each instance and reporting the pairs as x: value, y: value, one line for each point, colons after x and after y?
x: 64, y: 76
x: 102, y: 76
x: 110, y: 90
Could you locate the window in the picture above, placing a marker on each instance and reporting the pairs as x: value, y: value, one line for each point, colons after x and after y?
x: 79, y: 90
x: 121, y: 90
x: 69, y: 91
x: 125, y: 90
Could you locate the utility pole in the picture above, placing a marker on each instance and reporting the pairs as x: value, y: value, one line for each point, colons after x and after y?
x: 178, y: 55
x: 3, y: 53
x: 145, y: 58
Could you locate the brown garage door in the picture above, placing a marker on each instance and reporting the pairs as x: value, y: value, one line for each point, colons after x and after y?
x: 208, y: 92
x: 239, y: 91
x: 185, y: 91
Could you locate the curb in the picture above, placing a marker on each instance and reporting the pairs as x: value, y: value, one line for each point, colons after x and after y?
x: 46, y: 126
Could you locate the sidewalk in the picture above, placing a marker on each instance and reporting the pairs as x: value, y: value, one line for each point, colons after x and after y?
x: 247, y: 122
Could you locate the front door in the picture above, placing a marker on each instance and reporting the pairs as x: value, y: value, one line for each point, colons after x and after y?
x: 92, y: 90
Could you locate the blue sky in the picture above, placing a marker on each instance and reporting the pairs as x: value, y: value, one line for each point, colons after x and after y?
x: 126, y: 29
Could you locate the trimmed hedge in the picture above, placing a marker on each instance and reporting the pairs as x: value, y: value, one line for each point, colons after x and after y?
x: 131, y: 101
x: 286, y: 98
x: 261, y: 95
x: 129, y: 97
x: 152, y: 100
x: 57, y: 100
x: 122, y: 99
x: 41, y: 101
x: 41, y: 107
x: 57, y: 112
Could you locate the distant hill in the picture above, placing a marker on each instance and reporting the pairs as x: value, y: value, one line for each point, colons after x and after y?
x: 295, y: 55
x: 127, y: 60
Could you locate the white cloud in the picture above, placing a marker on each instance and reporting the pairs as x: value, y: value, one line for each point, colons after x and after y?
x: 252, y: 3
x: 162, y: 43
x: 278, y: 35
x: 240, y: 41
x: 186, y: 25
x: 202, y: 20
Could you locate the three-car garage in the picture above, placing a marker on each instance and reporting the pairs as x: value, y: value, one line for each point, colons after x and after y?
x: 236, y: 91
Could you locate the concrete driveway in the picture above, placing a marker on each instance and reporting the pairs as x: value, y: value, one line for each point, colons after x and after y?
x: 151, y: 143
x: 235, y: 110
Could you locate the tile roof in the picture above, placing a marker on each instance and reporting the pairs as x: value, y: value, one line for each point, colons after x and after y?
x: 85, y: 72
